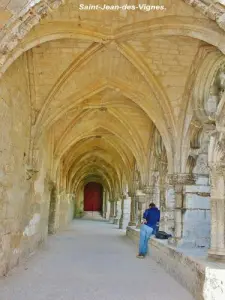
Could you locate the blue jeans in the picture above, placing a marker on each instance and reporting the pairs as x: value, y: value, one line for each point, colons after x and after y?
x: 145, y: 234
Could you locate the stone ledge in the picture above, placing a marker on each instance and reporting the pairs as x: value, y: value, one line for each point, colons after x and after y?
x: 205, y: 280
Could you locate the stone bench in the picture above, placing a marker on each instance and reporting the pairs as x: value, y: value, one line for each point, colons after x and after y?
x: 190, y: 267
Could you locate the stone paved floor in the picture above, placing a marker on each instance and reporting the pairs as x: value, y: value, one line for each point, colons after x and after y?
x: 91, y: 260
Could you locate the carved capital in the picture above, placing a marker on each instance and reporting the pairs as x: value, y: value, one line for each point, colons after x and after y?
x: 123, y: 196
x: 149, y: 189
x: 141, y: 198
x: 194, y: 152
x: 178, y: 188
x: 180, y: 179
x: 131, y: 194
x: 50, y: 185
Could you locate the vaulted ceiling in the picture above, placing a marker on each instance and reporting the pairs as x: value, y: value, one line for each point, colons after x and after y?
x: 102, y: 81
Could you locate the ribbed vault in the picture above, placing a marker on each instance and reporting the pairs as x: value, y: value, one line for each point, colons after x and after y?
x: 104, y: 137
x: 99, y: 88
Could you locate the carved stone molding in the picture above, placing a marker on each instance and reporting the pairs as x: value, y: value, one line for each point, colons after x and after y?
x: 212, y: 9
x: 149, y: 189
x: 131, y: 194
x: 182, y: 178
x: 141, y: 198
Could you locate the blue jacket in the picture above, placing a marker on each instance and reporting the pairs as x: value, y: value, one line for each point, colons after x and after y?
x: 152, y: 216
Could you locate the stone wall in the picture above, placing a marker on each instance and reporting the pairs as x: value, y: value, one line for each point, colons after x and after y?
x: 24, y: 192
x: 196, y: 216
x: 15, y: 190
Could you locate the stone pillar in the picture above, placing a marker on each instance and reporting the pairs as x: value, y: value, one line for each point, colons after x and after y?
x: 140, y: 200
x: 156, y: 188
x: 167, y: 221
x: 191, y: 211
x: 174, y: 202
x: 118, y: 212
x: 126, y: 212
x: 112, y: 208
x: 115, y: 210
x: 178, y: 229
x: 122, y: 212
x: 104, y: 210
x: 217, y: 249
x: 107, y: 206
x: 132, y: 209
x: 149, y: 192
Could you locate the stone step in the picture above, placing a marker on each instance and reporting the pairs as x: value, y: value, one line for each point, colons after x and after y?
x: 93, y: 215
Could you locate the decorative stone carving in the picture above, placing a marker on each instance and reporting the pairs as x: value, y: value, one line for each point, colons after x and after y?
x: 182, y: 179
x: 149, y: 189
x: 216, y: 91
x: 141, y: 198
x: 201, y: 165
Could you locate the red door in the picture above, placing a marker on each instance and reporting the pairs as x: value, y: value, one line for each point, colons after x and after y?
x: 93, y: 197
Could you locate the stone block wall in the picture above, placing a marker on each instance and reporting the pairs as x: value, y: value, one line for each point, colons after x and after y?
x: 195, y: 216
x: 15, y: 190
x: 24, y: 196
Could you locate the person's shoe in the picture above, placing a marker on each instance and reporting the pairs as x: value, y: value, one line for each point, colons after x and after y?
x: 140, y: 256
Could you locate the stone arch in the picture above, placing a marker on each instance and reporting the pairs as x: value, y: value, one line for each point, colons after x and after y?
x: 171, y: 25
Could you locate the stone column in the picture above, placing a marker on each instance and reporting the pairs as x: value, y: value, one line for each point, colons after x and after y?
x: 178, y: 229
x: 149, y: 192
x: 123, y: 197
x: 104, y: 210
x: 176, y: 203
x: 191, y: 211
x: 107, y: 206
x: 217, y: 249
x: 156, y: 191
x: 111, y: 215
x: 118, y: 212
x: 133, y: 209
x: 126, y: 212
x: 140, y: 200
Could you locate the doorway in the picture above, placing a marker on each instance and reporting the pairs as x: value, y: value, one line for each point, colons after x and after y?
x: 93, y: 197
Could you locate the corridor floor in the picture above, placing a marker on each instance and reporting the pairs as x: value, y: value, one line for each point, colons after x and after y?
x: 92, y: 260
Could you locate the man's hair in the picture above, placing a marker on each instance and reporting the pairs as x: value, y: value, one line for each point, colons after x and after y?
x: 152, y: 205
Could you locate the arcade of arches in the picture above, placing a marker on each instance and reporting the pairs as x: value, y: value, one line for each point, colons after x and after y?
x: 130, y: 101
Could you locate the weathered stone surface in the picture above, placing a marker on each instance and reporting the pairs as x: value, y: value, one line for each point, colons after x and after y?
x: 203, y: 279
x: 130, y: 99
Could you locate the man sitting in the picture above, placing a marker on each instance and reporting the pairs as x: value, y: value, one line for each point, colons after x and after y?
x: 149, y: 226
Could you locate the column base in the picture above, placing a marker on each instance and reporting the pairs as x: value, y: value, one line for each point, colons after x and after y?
x: 121, y: 223
x: 111, y: 220
x: 116, y: 220
x: 216, y: 254
x: 132, y: 224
